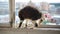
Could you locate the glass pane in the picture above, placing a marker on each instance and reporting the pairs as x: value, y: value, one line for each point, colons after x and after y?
x: 4, y: 12
x: 50, y: 8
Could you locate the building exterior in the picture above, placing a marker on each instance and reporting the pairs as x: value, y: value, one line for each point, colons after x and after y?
x: 44, y: 6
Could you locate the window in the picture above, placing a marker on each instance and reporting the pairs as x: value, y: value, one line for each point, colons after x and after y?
x: 4, y: 13
x: 52, y: 8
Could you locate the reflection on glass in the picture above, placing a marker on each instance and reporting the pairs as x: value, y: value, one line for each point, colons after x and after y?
x: 4, y: 11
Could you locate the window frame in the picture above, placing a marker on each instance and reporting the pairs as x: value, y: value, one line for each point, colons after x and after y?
x: 12, y: 12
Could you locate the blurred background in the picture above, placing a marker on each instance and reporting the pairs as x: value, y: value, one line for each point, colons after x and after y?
x: 51, y: 7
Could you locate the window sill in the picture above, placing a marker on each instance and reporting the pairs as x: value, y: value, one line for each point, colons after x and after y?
x: 4, y: 25
x: 25, y: 29
x: 55, y: 29
x: 49, y: 26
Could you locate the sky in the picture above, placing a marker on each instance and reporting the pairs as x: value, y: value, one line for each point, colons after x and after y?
x: 49, y: 1
x: 3, y: 0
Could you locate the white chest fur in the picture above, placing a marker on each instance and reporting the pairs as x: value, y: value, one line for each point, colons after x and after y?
x: 27, y: 22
